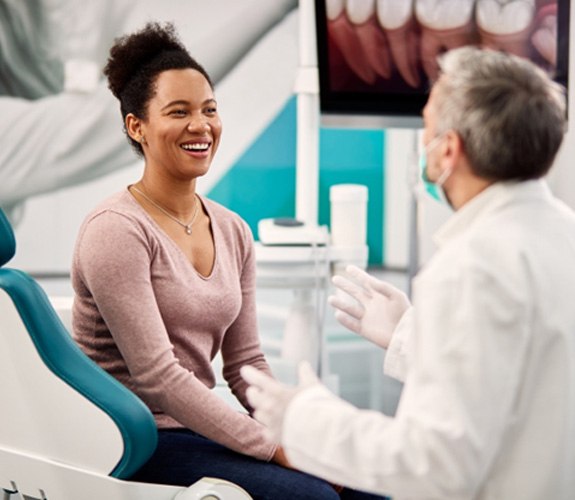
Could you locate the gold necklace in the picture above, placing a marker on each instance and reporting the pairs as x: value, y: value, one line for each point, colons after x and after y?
x: 187, y: 227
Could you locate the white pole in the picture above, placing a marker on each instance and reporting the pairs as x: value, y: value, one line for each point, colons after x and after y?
x: 308, y: 119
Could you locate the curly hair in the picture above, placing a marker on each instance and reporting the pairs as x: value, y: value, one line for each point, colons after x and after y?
x: 136, y: 60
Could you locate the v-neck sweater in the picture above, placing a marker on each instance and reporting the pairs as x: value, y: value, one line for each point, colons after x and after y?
x: 147, y: 317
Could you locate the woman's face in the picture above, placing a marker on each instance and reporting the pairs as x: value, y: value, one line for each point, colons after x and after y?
x: 182, y: 130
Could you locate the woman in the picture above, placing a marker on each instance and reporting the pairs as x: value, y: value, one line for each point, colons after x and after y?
x: 164, y: 279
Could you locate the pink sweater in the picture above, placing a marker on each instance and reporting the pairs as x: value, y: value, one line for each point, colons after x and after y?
x: 144, y: 314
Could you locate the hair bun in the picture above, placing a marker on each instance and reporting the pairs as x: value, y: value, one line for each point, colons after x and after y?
x: 130, y: 53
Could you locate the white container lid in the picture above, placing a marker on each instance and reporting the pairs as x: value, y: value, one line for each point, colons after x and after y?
x: 348, y: 192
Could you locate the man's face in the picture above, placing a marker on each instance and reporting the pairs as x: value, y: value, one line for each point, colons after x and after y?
x: 429, y: 116
x: 430, y: 138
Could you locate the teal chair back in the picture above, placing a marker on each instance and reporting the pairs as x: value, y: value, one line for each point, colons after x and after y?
x: 55, y: 402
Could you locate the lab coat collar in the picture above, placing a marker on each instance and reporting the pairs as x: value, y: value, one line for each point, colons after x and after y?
x: 492, y: 198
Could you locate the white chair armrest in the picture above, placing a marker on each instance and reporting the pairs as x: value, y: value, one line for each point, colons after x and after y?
x: 209, y: 488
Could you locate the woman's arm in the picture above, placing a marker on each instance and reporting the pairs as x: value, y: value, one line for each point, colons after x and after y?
x: 241, y: 344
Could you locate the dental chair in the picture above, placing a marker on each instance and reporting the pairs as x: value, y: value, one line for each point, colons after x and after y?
x: 68, y: 430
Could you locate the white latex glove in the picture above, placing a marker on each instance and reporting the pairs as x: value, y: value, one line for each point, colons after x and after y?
x: 376, y: 310
x: 270, y: 398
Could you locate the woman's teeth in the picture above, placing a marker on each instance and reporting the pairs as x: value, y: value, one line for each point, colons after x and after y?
x: 196, y: 147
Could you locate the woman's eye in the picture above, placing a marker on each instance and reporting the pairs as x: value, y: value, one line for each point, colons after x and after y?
x: 211, y: 111
x: 178, y: 112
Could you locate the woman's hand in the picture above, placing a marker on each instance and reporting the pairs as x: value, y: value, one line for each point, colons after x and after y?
x: 281, y: 459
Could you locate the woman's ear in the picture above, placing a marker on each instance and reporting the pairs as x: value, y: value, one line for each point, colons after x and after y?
x: 134, y: 127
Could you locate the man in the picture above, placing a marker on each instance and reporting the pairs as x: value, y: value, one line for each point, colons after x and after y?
x: 488, y: 349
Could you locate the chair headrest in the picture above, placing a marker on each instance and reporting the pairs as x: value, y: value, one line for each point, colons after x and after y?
x: 7, y: 240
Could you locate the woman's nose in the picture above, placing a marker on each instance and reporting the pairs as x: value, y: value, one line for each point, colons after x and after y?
x: 198, y: 123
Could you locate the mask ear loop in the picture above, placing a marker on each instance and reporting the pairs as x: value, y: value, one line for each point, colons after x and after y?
x: 434, y: 189
x: 433, y: 143
x: 443, y: 177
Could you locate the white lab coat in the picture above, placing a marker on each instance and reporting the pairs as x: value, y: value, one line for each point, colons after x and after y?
x: 488, y: 406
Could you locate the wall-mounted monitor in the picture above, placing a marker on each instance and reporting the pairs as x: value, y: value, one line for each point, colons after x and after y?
x: 376, y: 58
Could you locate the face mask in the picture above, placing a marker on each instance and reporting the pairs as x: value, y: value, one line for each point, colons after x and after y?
x: 434, y: 189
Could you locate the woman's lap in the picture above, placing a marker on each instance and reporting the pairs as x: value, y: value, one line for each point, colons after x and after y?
x: 183, y: 457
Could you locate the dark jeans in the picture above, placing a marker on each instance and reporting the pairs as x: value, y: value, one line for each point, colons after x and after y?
x: 183, y: 457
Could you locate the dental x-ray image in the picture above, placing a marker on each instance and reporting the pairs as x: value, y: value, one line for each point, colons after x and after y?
x: 379, y: 56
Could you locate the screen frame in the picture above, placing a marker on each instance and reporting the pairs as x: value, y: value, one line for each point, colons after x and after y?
x: 388, y: 109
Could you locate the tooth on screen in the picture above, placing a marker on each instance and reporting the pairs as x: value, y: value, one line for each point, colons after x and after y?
x: 375, y: 46
x: 359, y: 11
x: 504, y: 18
x: 392, y: 14
x: 344, y: 36
x: 544, y: 38
x: 334, y: 8
x: 405, y: 51
x: 444, y: 14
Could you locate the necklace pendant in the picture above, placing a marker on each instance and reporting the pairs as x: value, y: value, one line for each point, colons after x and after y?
x: 189, y: 229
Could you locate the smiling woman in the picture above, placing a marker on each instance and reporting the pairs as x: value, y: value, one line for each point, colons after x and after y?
x: 165, y: 279
x: 179, y: 133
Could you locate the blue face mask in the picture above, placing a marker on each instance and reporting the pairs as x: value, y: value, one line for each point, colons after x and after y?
x: 434, y: 189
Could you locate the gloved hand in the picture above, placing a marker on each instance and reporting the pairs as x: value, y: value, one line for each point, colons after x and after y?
x: 376, y: 310
x: 270, y: 398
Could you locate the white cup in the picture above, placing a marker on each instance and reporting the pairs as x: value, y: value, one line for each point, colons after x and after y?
x: 348, y: 215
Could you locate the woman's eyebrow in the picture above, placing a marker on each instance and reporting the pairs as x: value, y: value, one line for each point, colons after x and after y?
x: 183, y: 102
x: 178, y: 102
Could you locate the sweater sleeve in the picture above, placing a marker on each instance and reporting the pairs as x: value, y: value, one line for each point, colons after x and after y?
x: 113, y: 260
x: 241, y: 345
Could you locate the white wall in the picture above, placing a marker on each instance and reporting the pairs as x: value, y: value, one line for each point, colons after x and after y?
x: 402, y: 174
x: 249, y: 97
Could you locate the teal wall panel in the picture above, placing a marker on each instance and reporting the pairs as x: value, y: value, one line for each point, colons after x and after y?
x: 356, y: 157
x: 262, y: 182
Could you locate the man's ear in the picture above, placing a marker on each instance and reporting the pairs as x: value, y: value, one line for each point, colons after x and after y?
x: 134, y: 127
x: 453, y: 149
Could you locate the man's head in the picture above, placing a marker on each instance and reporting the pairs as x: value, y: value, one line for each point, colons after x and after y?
x: 508, y: 115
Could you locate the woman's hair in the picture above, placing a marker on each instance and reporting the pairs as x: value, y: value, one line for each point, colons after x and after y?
x: 136, y: 60
x: 510, y: 115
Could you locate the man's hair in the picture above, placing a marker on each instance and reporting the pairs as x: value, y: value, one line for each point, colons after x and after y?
x: 509, y: 113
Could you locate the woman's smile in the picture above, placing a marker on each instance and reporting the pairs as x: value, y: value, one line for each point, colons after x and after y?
x: 197, y: 148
